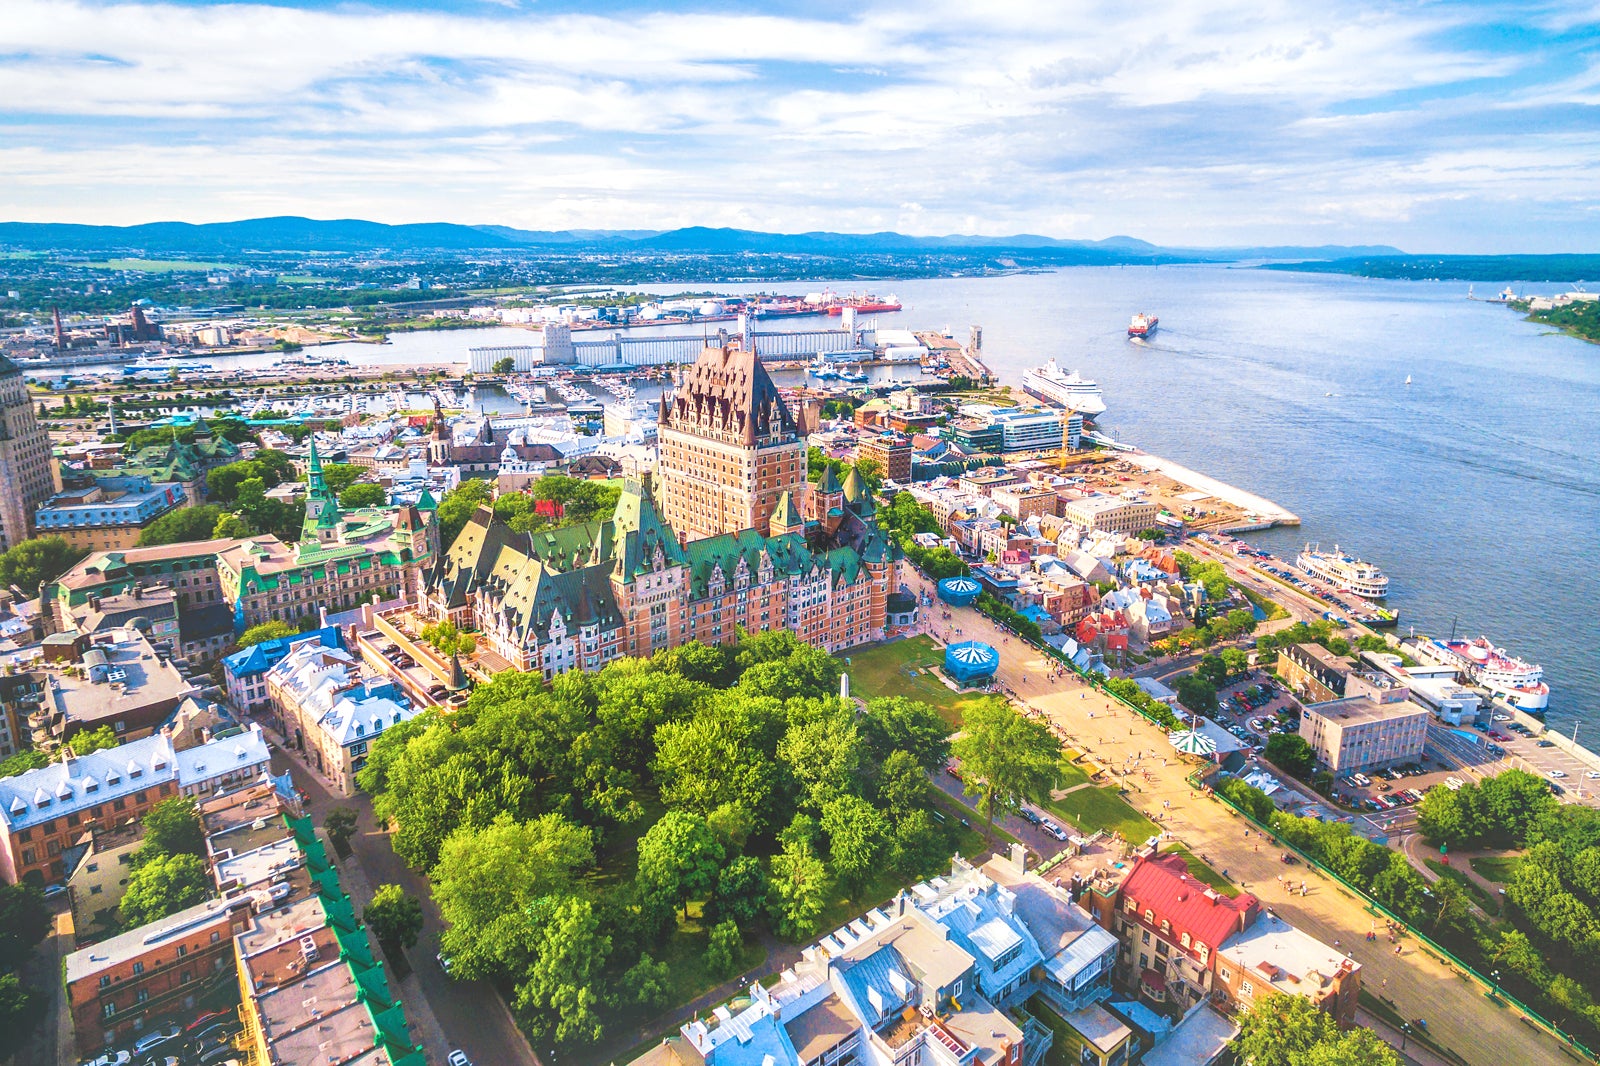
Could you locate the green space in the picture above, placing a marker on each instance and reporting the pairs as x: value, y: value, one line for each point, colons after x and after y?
x: 159, y: 266
x: 1090, y: 809
x: 1579, y: 319
x: 1268, y: 607
x: 1069, y: 774
x: 1498, y: 868
x: 905, y: 668
x: 1483, y: 899
x: 1203, y: 872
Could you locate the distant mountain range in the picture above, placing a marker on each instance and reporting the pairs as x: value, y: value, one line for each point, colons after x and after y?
x: 295, y: 234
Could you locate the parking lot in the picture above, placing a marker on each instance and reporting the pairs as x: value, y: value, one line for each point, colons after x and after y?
x: 207, y: 1041
x: 1253, y: 707
x: 1478, y: 754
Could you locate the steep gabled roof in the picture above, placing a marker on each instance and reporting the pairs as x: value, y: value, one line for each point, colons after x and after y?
x: 728, y: 393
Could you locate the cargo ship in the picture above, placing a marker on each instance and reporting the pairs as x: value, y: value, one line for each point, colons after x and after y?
x: 1069, y: 389
x: 1345, y: 572
x: 1512, y: 680
x: 1142, y: 325
x: 863, y: 304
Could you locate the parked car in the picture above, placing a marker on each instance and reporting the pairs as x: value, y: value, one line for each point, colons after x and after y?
x: 459, y: 1058
x: 1556, y: 773
x: 151, y: 1041
x: 207, y: 1021
x: 1547, y: 743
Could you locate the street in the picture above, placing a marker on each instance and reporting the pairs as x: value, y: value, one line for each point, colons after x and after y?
x: 445, y: 1014
x: 1459, y: 1013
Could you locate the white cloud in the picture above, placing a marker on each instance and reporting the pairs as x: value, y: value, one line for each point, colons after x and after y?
x: 1187, y: 122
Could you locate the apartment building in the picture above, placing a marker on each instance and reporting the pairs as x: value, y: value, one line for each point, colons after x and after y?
x: 330, y: 712
x: 1314, y: 671
x: 1112, y: 514
x: 108, y: 512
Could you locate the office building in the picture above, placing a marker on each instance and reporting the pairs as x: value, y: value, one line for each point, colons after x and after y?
x: 1365, y: 731
x: 891, y: 452
x: 1111, y: 514
x: 26, y: 478
x: 1313, y: 671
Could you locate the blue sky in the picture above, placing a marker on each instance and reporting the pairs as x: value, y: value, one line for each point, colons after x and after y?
x: 1434, y: 126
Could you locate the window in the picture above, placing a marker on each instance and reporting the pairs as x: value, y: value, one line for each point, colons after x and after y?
x: 215, y: 936
x: 1247, y: 988
x: 94, y: 890
x: 138, y: 968
x: 1144, y: 936
x: 1225, y: 973
x: 182, y: 950
x: 105, y: 982
x: 107, y: 1009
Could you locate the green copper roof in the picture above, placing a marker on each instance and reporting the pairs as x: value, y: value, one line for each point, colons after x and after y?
x: 828, y: 483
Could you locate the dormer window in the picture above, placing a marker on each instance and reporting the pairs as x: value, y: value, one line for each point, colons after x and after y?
x: 1149, y: 915
x: 360, y: 730
x: 1184, y: 940
x: 1166, y: 927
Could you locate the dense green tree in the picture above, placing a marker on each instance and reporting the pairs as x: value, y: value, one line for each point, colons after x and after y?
x: 231, y: 526
x: 263, y: 631
x: 457, y: 505
x: 20, y: 1011
x: 23, y: 761
x: 1278, y: 1029
x: 340, y: 476
x: 1352, y: 1047
x: 679, y: 858
x: 857, y: 837
x: 799, y: 883
x: 710, y: 664
x: 724, y: 948
x: 902, y: 785
x: 487, y: 879
x: 163, y: 885
x: 36, y: 560
x: 366, y: 494
x: 1513, y: 801
x: 340, y: 825
x: 1008, y: 758
x: 741, y: 892
x: 918, y: 844
x: 1290, y: 753
x: 1235, y: 660
x: 1451, y: 817
x: 24, y: 921
x: 825, y: 755
x: 1197, y: 694
x: 394, y: 917
x: 895, y: 723
x: 172, y: 827
x: 184, y: 524
x: 721, y: 755
x: 89, y: 740
x: 504, y: 365
x: 563, y: 992
x: 648, y: 984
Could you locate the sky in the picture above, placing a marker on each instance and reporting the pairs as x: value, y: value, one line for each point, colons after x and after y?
x: 1436, y: 127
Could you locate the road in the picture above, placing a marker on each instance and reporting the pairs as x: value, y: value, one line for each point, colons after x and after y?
x: 1458, y: 1011
x: 469, y: 1015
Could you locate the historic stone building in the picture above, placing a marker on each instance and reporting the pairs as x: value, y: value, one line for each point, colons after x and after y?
x: 810, y: 559
x: 25, y: 475
x: 729, y: 448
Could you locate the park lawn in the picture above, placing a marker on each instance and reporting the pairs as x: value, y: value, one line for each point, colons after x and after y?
x: 685, y: 953
x: 1268, y: 607
x: 1475, y: 891
x: 1069, y: 774
x: 1202, y: 872
x: 886, y: 670
x: 1090, y: 809
x: 1497, y: 868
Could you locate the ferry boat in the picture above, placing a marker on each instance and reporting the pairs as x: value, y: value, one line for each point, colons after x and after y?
x: 1069, y: 389
x: 1514, y: 681
x: 1345, y: 572
x: 1142, y: 325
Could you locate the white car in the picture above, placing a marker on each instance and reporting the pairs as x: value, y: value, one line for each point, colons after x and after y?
x: 1556, y: 773
x: 1592, y: 774
x: 112, y: 1058
x: 1502, y: 717
x: 154, y: 1040
x: 459, y: 1058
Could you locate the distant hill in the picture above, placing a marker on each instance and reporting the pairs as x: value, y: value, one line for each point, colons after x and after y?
x: 294, y: 234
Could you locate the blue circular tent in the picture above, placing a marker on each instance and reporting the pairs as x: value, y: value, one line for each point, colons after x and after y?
x: 959, y: 591
x: 971, y: 661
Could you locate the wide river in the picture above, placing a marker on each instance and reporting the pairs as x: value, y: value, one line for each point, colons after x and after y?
x: 1476, y: 488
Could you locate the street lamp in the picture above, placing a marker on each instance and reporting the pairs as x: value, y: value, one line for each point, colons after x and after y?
x: 1494, y: 975
x: 1405, y: 1031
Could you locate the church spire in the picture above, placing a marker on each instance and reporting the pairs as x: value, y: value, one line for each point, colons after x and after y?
x: 322, y: 506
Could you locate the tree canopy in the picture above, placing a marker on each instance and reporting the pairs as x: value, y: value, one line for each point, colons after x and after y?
x: 264, y: 631
x: 365, y: 494
x: 24, y: 921
x: 36, y: 560
x: 1007, y: 757
x: 163, y: 885
x: 184, y: 524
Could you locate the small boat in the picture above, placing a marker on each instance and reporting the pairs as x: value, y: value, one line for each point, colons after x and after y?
x: 1408, y: 379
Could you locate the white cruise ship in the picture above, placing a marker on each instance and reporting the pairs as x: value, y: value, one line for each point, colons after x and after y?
x: 1515, y: 681
x: 1068, y: 389
x: 1345, y: 572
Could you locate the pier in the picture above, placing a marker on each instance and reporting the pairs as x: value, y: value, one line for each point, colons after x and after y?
x: 1265, y: 512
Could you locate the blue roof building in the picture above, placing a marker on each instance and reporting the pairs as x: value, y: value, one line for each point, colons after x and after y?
x: 246, y: 670
x: 971, y: 661
x: 959, y: 591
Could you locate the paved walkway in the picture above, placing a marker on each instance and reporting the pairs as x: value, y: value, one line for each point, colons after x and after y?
x: 1456, y: 1007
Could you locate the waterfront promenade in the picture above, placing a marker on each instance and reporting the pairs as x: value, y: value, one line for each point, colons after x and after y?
x: 1459, y: 1014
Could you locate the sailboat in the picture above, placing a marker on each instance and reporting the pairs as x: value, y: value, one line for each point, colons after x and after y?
x: 1408, y: 379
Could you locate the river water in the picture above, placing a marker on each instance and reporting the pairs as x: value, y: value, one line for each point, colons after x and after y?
x: 1476, y: 488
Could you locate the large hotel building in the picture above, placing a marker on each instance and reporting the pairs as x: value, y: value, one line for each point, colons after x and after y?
x: 729, y: 535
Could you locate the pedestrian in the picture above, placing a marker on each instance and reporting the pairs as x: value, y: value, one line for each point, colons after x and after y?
x: 1384, y: 983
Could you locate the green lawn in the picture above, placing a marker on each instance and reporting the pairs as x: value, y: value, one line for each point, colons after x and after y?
x: 685, y: 953
x: 1091, y: 809
x: 901, y: 668
x: 1497, y: 868
x: 1069, y: 774
x: 1202, y: 872
x: 1268, y: 607
x: 1474, y: 890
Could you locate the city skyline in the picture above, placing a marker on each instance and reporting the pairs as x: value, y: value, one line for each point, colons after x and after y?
x: 1445, y: 128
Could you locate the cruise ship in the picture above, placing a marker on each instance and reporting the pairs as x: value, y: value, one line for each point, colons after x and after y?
x: 1069, y: 389
x: 1514, y: 681
x: 1345, y: 572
